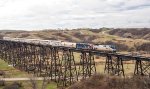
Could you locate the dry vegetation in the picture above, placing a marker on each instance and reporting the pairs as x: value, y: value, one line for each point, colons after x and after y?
x: 142, y: 33
x: 99, y: 81
x: 124, y: 39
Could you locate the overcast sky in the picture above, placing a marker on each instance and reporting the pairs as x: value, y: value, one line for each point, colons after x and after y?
x: 43, y: 14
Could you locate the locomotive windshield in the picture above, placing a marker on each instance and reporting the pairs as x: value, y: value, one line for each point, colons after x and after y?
x: 83, y: 46
x: 113, y: 46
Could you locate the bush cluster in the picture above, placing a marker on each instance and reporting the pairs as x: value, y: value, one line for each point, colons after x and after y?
x: 99, y: 81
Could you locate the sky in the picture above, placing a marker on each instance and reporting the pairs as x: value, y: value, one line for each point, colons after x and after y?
x: 46, y: 14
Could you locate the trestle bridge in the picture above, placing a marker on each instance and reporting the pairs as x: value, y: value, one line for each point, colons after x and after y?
x: 60, y: 64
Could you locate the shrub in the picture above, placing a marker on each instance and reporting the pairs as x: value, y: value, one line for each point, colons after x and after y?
x: 2, y: 73
x: 113, y: 82
x: 23, y: 35
x: 15, y: 85
x: 143, y: 47
x: 2, y: 83
x: 96, y: 30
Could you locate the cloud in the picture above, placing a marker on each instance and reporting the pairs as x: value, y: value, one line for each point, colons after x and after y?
x: 42, y: 14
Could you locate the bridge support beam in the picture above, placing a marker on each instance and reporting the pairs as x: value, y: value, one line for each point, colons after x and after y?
x: 68, y: 73
x: 29, y: 63
x: 114, y: 65
x: 109, y: 68
x: 138, y: 68
x: 146, y: 68
x: 44, y: 60
x: 19, y: 56
x: 41, y: 61
x: 142, y: 68
x: 54, y: 64
x: 119, y: 69
x: 87, y: 65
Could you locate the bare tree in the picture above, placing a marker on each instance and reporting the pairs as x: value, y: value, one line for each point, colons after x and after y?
x: 33, y: 83
x: 44, y: 83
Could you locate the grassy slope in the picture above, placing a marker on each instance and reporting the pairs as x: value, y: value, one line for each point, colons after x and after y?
x: 137, y: 33
x: 11, y: 72
x: 128, y: 41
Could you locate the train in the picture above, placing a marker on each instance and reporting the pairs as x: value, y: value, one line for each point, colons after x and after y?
x: 59, y: 43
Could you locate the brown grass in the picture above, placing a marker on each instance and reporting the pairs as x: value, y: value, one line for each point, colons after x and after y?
x: 99, y: 81
x: 96, y: 36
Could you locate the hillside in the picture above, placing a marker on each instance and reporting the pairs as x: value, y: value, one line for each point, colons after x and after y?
x: 95, y: 36
x: 81, y: 35
x: 140, y: 33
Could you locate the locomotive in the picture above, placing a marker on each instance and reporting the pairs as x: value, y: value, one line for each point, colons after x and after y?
x: 58, y: 43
